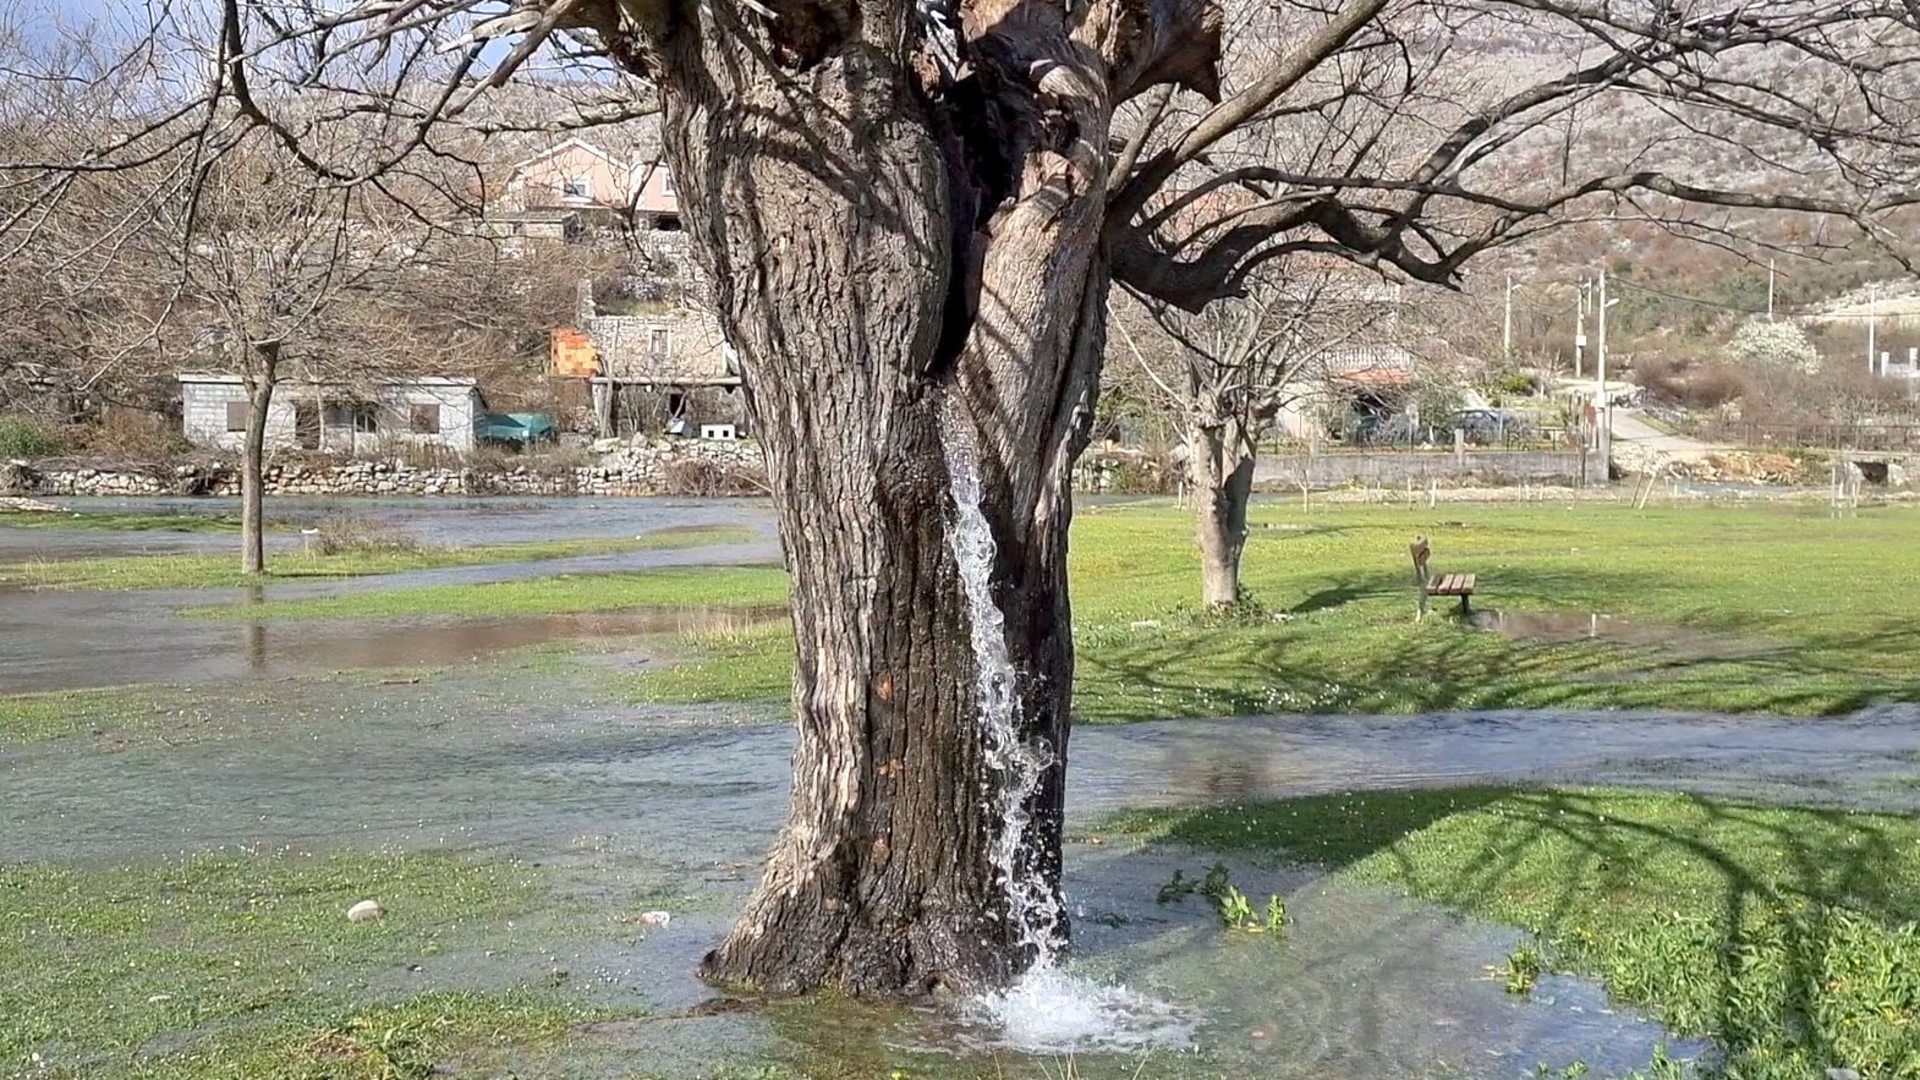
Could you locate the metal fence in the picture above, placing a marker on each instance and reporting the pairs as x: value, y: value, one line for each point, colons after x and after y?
x: 1386, y: 439
x: 1874, y: 435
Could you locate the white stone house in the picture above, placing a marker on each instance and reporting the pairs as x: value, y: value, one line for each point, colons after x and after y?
x: 420, y: 411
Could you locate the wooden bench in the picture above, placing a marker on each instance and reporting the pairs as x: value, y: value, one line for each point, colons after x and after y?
x: 1460, y: 585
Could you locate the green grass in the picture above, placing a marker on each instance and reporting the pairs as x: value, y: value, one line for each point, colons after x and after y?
x: 1797, y: 613
x: 1787, y: 934
x: 253, y: 955
x: 30, y: 718
x: 178, y: 523
x: 215, y: 570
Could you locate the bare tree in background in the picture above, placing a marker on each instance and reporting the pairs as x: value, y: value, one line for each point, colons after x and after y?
x: 259, y: 270
x: 1226, y: 371
x: 911, y: 214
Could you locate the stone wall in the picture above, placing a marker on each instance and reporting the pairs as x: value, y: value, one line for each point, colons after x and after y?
x: 1393, y: 469
x: 658, y: 467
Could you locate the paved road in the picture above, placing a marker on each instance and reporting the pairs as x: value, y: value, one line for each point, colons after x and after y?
x: 1628, y: 427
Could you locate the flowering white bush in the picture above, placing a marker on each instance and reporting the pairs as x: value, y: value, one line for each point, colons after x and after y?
x: 1776, y: 344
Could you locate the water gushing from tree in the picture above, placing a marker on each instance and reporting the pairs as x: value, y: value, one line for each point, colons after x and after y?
x: 1047, y: 1009
x: 1017, y: 764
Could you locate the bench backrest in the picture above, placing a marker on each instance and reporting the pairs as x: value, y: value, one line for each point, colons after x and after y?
x: 1421, y: 552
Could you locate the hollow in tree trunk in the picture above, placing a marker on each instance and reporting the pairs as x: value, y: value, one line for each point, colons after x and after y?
x: 1222, y: 460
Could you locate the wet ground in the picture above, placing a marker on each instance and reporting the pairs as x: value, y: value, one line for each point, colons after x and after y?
x: 71, y: 639
x: 624, y: 808
x: 1558, y: 627
x: 620, y: 805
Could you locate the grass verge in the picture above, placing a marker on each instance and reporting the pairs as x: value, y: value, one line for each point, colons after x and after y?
x: 238, y: 965
x: 204, y: 571
x: 1787, y: 934
x: 175, y: 523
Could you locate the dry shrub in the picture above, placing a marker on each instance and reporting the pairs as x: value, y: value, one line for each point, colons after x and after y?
x: 362, y: 536
x: 1690, y: 383
x: 125, y: 434
x: 701, y: 478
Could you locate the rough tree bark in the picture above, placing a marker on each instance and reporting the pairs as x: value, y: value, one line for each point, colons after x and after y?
x: 262, y: 375
x: 1222, y: 459
x: 901, y: 262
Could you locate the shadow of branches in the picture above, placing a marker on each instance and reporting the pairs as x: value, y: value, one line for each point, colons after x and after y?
x: 1787, y: 934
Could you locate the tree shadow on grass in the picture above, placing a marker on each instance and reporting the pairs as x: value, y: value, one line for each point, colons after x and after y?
x: 1787, y: 934
x: 1355, y: 656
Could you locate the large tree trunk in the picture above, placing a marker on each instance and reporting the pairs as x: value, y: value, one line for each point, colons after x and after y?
x: 1222, y: 460
x: 915, y: 289
x: 253, y: 452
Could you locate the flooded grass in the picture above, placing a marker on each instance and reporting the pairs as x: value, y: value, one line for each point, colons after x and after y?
x: 1787, y: 934
x: 563, y: 594
x: 213, y: 570
x: 120, y: 710
x: 244, y: 965
x: 123, y: 522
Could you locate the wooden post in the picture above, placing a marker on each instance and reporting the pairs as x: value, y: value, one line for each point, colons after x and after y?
x: 1420, y: 551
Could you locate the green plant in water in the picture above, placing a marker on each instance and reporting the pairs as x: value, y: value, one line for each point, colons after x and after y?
x: 1215, y: 884
x: 1178, y: 887
x: 1522, y: 972
x: 1276, y: 914
x: 1236, y: 911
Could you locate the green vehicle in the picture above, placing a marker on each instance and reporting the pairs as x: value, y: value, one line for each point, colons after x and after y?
x: 517, y: 429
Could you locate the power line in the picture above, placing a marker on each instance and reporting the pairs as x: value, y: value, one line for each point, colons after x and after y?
x: 1720, y: 305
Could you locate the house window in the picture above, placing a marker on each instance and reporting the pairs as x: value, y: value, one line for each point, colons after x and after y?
x: 659, y: 342
x: 575, y: 187
x: 666, y: 183
x: 237, y: 413
x: 306, y: 425
x: 366, y: 421
x: 426, y: 420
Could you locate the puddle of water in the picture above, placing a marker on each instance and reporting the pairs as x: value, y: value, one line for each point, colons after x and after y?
x: 149, y: 644
x: 1562, y: 627
x: 60, y: 640
x: 298, y: 647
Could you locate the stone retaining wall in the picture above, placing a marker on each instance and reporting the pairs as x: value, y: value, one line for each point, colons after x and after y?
x: 1392, y: 469
x: 665, y: 467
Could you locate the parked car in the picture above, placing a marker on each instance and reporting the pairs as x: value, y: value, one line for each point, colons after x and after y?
x: 1487, y: 426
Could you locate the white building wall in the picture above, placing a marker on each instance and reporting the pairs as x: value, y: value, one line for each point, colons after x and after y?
x: 204, y: 417
x: 204, y: 410
x: 459, y: 408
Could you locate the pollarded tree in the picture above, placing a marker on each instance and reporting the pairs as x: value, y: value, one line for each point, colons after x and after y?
x: 1226, y: 372
x: 911, y: 212
x: 272, y: 276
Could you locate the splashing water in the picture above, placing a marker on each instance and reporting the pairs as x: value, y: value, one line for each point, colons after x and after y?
x: 1017, y: 764
x: 1047, y: 1010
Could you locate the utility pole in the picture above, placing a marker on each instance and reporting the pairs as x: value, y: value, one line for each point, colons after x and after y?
x: 1506, y: 327
x: 1873, y: 326
x: 1581, y: 301
x: 1603, y: 406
